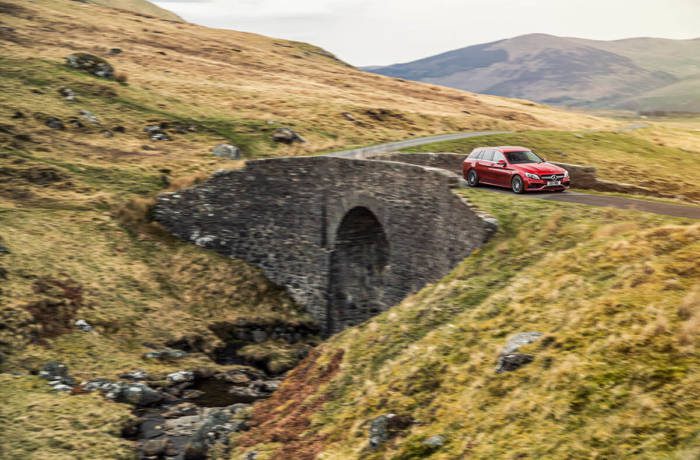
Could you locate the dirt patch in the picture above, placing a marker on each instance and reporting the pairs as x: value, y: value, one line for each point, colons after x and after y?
x: 297, y: 402
x: 54, y: 313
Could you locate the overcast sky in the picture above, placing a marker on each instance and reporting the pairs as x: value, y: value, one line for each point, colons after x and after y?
x: 369, y: 32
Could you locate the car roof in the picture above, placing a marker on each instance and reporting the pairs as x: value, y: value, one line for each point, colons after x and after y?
x: 512, y: 148
x: 506, y: 148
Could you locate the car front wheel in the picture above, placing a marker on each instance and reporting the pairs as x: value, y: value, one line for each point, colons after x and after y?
x: 472, y: 178
x: 517, y: 185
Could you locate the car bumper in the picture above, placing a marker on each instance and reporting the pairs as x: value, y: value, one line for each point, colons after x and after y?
x: 541, y: 185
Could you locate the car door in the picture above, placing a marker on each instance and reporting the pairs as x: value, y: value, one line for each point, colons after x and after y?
x: 483, y: 167
x: 500, y: 174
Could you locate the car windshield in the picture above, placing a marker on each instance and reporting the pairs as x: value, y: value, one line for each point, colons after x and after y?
x: 524, y: 156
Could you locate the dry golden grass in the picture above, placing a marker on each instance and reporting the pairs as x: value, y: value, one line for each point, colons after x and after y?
x: 615, y: 375
x: 79, y: 226
x: 194, y: 71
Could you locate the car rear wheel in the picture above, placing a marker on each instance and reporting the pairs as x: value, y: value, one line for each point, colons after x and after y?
x: 517, y: 185
x: 472, y: 178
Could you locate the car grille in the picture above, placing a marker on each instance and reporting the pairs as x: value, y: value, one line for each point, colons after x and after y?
x: 553, y: 177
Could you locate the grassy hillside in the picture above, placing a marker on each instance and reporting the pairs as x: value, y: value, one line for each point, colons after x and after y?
x: 569, y: 71
x: 242, y: 83
x: 74, y: 241
x: 141, y: 7
x: 640, y: 156
x: 615, y: 295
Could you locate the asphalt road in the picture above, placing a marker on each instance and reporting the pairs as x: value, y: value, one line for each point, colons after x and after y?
x: 656, y: 207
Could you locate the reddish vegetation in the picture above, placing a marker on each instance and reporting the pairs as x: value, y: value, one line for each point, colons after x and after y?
x: 54, y: 313
x: 286, y: 416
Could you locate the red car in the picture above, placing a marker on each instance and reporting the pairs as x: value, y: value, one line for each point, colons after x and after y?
x: 517, y: 168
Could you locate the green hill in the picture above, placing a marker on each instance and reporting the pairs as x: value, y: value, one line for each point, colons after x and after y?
x: 633, y: 74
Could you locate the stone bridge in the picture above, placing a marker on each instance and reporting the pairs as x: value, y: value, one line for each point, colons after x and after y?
x: 347, y: 238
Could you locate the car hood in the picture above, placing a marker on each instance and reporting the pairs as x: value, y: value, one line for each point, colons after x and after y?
x: 539, y: 168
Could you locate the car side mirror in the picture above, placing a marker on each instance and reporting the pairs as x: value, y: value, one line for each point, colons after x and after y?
x: 502, y: 163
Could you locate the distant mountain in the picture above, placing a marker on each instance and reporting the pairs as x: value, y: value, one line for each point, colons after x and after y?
x: 635, y: 73
x: 140, y: 7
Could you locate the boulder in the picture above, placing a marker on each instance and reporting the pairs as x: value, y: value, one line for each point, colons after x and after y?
x: 138, y: 394
x: 434, y: 441
x: 57, y: 375
x: 508, y: 359
x: 181, y: 377
x: 286, y: 136
x: 54, y: 123
x: 83, y: 325
x: 228, y: 151
x: 91, y: 64
x: 387, y: 426
x: 154, y: 447
x: 89, y: 117
x: 134, y: 375
x: 166, y: 354
x: 512, y: 361
x: 67, y: 93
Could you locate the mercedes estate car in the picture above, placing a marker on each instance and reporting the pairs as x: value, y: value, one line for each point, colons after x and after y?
x: 517, y: 168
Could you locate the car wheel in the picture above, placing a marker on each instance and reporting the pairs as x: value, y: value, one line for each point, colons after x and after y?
x: 517, y: 185
x: 472, y: 178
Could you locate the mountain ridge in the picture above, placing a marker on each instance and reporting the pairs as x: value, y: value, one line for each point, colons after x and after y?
x: 568, y: 71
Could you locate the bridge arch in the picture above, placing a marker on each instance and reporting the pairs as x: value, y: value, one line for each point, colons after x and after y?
x: 357, y: 271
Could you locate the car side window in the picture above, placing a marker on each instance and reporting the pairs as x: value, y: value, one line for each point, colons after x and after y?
x: 498, y: 156
x: 487, y: 155
x: 474, y: 155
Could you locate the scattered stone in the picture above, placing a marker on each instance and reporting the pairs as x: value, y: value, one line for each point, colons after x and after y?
x: 83, y: 325
x: 259, y: 336
x: 348, y: 116
x: 181, y: 377
x: 156, y: 132
x: 37, y: 91
x: 134, y: 375
x: 508, y: 359
x: 227, y: 151
x: 512, y: 361
x: 518, y: 340
x: 54, y: 123
x: 138, y: 394
x: 107, y: 133
x: 251, y: 455
x: 57, y: 375
x: 18, y: 115
x: 286, y: 136
x: 147, y: 147
x: 119, y: 129
x: 75, y: 123
x: 154, y: 447
x: 89, y: 117
x: 4, y: 249
x: 165, y: 354
x: 114, y: 51
x: 181, y: 410
x: 67, y: 93
x: 434, y: 441
x: 91, y: 64
x: 3, y: 276
x: 387, y: 426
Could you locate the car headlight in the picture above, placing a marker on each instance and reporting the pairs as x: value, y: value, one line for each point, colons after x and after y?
x: 533, y: 176
x: 566, y: 173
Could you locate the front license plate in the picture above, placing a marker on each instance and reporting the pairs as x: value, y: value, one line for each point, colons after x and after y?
x: 551, y: 183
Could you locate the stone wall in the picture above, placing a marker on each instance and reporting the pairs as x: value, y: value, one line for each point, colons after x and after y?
x: 347, y: 238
